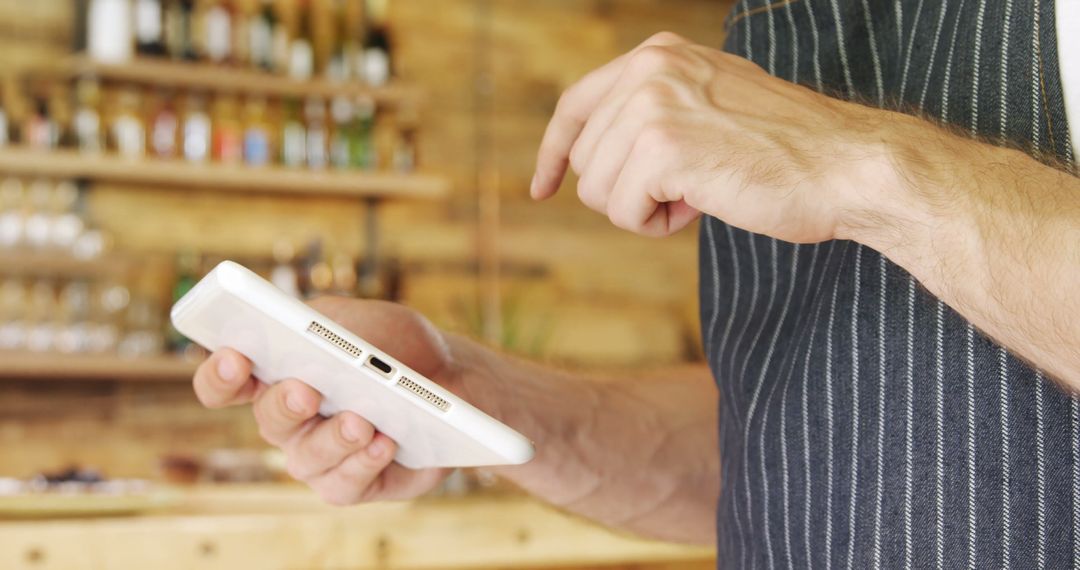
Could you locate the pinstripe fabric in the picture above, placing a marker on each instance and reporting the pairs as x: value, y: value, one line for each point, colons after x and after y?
x: 865, y: 424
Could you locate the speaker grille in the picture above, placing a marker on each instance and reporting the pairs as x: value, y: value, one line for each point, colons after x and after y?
x: 329, y: 336
x: 423, y: 393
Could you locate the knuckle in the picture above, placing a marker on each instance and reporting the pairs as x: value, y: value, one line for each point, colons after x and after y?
x: 652, y: 58
x: 621, y: 218
x: 295, y: 468
x: 650, y: 97
x: 664, y: 37
x: 589, y: 194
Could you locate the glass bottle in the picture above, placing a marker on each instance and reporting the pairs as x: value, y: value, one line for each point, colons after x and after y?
x: 128, y: 132
x: 13, y: 213
x: 337, y: 68
x: 280, y: 42
x: 315, y: 117
x: 165, y: 126
x: 301, y: 52
x: 343, y: 114
x: 376, y: 64
x: 68, y: 221
x: 39, y: 130
x: 293, y: 136
x: 196, y: 130
x: 241, y: 54
x: 149, y: 32
x: 37, y: 229
x: 41, y: 316
x: 217, y: 27
x: 284, y: 274
x: 187, y: 269
x: 363, y: 153
x: 180, y: 29
x: 87, y: 117
x: 4, y: 127
x: 257, y: 133
x: 261, y: 27
x: 109, y: 30
x: 228, y: 137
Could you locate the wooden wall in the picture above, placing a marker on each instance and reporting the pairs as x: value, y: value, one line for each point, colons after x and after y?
x: 573, y: 290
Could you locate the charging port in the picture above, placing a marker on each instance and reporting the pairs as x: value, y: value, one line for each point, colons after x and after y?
x: 382, y: 367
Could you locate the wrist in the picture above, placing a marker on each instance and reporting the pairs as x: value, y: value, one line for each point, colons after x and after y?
x: 892, y: 197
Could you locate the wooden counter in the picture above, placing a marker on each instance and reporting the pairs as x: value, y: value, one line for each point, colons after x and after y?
x: 284, y: 526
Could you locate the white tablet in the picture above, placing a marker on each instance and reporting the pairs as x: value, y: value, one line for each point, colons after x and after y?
x: 284, y: 338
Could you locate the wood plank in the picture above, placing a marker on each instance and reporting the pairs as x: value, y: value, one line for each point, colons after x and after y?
x: 222, y: 79
x: 474, y: 532
x: 58, y: 264
x: 223, y: 177
x: 18, y: 365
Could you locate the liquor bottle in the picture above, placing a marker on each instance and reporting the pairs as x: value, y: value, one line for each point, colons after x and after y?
x: 187, y: 268
x: 363, y: 152
x: 315, y: 118
x: 164, y: 127
x: 338, y: 67
x: 39, y: 130
x: 180, y: 29
x: 217, y: 27
x: 228, y: 136
x: 301, y: 52
x: 39, y: 220
x: 127, y: 130
x: 376, y: 65
x: 280, y: 41
x: 405, y: 148
x: 262, y: 25
x: 149, y: 32
x: 241, y: 54
x: 196, y: 130
x: 293, y: 136
x: 256, y: 134
x: 87, y: 117
x: 342, y: 113
x: 60, y: 108
x: 284, y: 274
x: 4, y: 127
x: 12, y: 213
x: 109, y: 37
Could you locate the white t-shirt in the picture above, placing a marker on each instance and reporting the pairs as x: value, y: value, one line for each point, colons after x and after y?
x: 1068, y: 40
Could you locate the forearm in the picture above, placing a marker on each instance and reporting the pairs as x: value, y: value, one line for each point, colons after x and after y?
x: 989, y: 230
x: 639, y: 454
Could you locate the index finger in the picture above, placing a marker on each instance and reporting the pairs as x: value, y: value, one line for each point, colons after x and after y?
x: 571, y: 113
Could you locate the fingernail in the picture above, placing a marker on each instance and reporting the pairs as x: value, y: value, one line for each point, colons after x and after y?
x: 350, y: 431
x: 226, y: 369
x: 295, y: 403
x: 376, y: 449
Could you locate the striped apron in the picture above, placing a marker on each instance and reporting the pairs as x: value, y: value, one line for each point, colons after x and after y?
x: 863, y: 423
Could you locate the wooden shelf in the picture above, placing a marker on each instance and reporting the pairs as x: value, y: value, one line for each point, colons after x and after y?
x: 63, y: 163
x: 59, y: 264
x: 287, y: 527
x: 51, y: 366
x: 193, y: 76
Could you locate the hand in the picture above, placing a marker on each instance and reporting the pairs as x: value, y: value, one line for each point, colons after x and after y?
x: 673, y: 129
x: 343, y: 458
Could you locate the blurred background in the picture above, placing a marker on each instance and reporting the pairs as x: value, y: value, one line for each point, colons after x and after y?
x: 370, y: 148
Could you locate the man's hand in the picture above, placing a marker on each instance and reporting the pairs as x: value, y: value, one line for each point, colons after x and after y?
x: 673, y: 129
x: 343, y: 458
x: 639, y: 455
